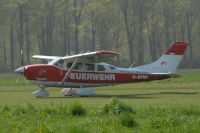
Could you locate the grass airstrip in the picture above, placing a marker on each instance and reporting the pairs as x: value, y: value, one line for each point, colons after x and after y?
x: 171, y: 105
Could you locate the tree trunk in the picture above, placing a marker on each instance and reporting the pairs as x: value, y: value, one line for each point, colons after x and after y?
x: 140, y: 32
x: 85, y: 42
x: 28, y: 43
x: 102, y: 35
x: 183, y: 39
x: 152, y: 41
x: 64, y: 34
x: 189, y: 36
x: 28, y: 47
x: 93, y: 39
x: 93, y: 31
x: 11, y: 47
x: 166, y: 24
x: 68, y: 40
x: 21, y: 31
x: 50, y: 27
x: 4, y: 49
x: 77, y: 17
x: 154, y: 49
x: 130, y: 41
x: 130, y: 37
x: 76, y: 32
x: 42, y: 44
x: 41, y: 38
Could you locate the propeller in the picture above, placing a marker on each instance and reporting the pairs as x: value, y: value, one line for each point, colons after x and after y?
x: 21, y: 64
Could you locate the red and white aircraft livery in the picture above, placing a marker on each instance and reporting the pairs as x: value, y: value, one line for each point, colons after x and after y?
x: 88, y: 70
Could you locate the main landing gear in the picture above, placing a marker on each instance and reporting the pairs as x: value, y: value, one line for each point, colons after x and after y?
x: 68, y: 91
x: 83, y: 92
x: 41, y: 93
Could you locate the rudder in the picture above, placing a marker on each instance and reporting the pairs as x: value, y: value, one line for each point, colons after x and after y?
x: 168, y: 62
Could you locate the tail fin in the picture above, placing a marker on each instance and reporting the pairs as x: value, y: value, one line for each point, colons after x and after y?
x: 168, y: 62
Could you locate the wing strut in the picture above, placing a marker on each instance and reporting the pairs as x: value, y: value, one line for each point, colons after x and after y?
x: 68, y: 73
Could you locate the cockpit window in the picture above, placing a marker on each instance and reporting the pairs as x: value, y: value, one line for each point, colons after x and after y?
x: 69, y: 64
x: 90, y: 67
x: 78, y: 66
x: 112, y: 67
x: 100, y: 68
x: 59, y: 63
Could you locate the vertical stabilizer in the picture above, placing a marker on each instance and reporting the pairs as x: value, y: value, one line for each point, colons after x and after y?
x: 168, y: 62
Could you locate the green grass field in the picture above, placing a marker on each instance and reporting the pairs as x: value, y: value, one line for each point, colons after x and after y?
x: 171, y: 105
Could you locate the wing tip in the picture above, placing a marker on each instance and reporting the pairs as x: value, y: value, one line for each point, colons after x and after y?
x: 108, y: 52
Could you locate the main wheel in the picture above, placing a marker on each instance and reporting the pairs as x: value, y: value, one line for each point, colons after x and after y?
x: 40, y: 93
x: 84, y: 92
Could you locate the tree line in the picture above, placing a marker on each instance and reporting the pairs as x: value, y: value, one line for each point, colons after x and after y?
x: 141, y: 30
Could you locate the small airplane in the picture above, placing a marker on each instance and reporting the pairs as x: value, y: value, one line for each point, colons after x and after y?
x: 88, y: 70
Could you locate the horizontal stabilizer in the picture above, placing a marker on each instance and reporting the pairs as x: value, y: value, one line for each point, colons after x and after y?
x: 172, y: 75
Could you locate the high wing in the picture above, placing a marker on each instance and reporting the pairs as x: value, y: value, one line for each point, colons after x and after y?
x: 45, y: 57
x: 93, y: 57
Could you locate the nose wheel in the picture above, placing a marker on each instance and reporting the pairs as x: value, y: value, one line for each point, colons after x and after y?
x: 41, y: 93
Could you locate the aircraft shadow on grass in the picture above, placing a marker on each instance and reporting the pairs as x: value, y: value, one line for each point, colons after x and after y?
x: 126, y: 96
x: 135, y: 96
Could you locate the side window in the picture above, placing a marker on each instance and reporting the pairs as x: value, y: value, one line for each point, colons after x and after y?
x: 100, y: 68
x: 112, y: 67
x: 69, y: 64
x: 78, y: 66
x: 90, y: 67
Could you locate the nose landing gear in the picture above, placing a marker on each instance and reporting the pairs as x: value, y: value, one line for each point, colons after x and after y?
x: 41, y: 93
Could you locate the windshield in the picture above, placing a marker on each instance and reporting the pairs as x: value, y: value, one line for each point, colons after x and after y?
x: 100, y: 68
x: 57, y: 62
x: 112, y: 67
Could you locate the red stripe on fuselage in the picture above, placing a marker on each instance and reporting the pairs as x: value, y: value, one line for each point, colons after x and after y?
x: 54, y: 74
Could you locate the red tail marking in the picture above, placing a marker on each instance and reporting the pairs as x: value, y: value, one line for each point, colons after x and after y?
x: 163, y: 63
x: 178, y: 48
